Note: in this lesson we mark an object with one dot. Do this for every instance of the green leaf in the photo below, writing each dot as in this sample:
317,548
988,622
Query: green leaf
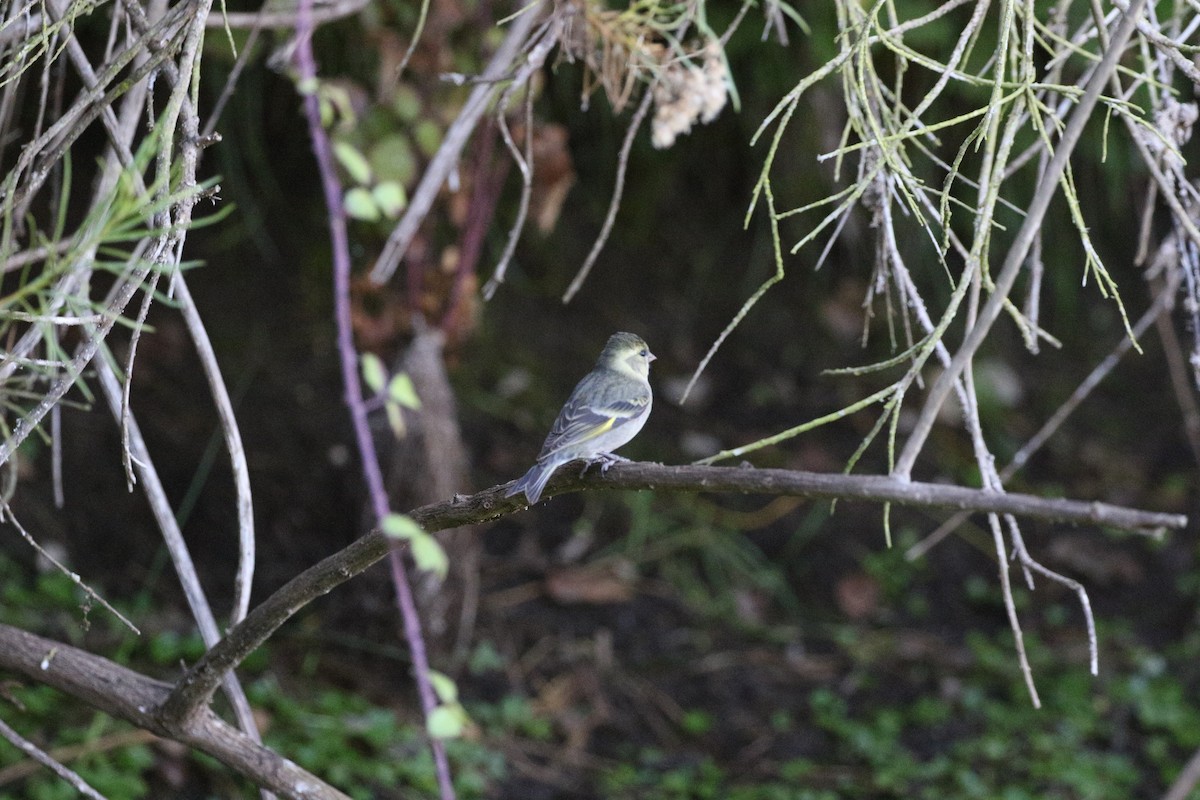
429,555
446,722
406,103
429,137
402,526
395,417
354,162
443,686
401,389
374,372
360,204
390,197
307,86
393,158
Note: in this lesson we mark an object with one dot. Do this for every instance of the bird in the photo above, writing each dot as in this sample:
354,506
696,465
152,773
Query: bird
606,409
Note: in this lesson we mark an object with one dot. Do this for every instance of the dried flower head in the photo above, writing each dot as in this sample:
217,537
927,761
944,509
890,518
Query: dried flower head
685,92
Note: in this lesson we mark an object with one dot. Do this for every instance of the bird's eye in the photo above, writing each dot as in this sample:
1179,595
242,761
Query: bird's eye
643,352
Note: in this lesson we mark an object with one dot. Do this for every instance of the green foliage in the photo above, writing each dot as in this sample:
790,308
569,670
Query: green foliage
364,749
705,561
514,715
115,773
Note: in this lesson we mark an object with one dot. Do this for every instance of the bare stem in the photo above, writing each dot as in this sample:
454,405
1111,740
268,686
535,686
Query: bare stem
348,357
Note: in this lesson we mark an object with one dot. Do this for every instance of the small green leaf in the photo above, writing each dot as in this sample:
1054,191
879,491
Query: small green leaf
395,417
354,162
306,86
393,159
390,198
402,526
339,98
429,555
406,103
374,372
429,137
360,204
443,686
446,722
401,389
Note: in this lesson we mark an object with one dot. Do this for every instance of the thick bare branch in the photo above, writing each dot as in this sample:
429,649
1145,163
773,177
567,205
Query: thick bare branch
133,697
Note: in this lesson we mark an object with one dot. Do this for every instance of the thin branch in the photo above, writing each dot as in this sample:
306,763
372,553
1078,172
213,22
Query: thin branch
275,18
1028,563
446,158
1010,608
193,691
613,205
1187,780
524,162
119,740
348,357
233,445
46,760
1163,303
7,512
185,568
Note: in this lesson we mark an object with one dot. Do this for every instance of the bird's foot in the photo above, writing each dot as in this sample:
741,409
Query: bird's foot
606,460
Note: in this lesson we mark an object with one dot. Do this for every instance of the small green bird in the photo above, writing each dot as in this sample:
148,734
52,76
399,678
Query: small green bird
607,409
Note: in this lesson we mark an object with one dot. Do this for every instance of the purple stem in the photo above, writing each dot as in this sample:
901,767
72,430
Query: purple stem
307,67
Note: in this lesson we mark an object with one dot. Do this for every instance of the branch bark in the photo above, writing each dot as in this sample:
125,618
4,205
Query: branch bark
193,691
181,712
133,697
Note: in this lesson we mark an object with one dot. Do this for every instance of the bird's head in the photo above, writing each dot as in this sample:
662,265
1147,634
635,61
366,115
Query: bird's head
627,353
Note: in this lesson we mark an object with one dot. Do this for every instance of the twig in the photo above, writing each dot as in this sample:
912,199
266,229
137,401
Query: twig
524,162
456,137
1181,385
7,512
185,569
83,356
1186,780
107,743
613,205
1162,304
1029,563
42,757
279,19
1010,608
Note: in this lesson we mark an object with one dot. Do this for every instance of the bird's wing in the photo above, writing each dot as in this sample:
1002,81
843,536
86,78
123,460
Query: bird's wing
586,416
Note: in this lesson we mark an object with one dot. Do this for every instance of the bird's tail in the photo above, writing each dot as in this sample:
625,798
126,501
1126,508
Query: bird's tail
533,482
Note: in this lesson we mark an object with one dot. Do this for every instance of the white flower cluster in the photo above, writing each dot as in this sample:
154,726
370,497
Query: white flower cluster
685,92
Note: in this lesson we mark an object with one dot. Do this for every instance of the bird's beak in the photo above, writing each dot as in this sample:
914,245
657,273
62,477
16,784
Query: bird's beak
650,357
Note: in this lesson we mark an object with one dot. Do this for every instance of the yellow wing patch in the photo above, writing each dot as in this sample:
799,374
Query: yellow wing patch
599,429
